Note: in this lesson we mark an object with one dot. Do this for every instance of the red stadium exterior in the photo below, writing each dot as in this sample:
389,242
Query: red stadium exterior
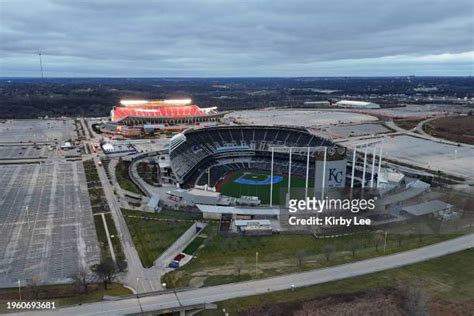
133,118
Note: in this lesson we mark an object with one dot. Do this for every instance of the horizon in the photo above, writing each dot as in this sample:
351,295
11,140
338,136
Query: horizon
247,77
208,39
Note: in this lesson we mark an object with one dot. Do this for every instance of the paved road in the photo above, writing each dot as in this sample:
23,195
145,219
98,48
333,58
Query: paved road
422,134
235,290
138,278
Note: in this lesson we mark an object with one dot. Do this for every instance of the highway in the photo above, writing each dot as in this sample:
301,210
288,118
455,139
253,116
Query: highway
213,294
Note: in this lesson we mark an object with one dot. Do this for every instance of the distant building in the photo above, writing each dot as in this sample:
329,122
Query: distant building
67,146
435,207
136,117
192,197
153,204
248,200
216,212
258,227
357,104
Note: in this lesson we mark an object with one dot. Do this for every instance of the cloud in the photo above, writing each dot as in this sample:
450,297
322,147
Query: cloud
236,38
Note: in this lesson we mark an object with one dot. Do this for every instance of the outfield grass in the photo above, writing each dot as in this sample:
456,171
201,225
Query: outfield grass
450,277
231,188
278,254
153,237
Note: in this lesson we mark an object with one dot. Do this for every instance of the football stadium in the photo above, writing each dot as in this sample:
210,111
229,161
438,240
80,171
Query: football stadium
139,117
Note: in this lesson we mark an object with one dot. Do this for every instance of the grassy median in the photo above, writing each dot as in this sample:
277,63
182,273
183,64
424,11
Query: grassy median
123,178
152,235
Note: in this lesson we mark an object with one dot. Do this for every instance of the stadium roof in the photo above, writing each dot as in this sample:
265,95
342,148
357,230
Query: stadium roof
238,210
427,208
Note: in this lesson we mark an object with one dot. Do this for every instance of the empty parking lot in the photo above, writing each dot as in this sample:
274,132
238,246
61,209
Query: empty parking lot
46,226
13,131
433,155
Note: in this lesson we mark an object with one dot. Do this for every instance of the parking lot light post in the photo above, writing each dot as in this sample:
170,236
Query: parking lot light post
19,288
256,263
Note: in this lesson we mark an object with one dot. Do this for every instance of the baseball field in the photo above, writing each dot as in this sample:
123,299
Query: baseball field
257,183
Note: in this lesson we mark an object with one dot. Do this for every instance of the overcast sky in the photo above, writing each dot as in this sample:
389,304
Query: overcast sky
177,38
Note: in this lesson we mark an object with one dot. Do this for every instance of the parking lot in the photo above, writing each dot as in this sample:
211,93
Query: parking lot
15,131
455,160
355,130
24,152
47,230
304,118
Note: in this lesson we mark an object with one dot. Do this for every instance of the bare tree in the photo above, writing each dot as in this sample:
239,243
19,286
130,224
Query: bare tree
328,250
106,270
121,265
355,245
416,300
420,232
399,237
238,266
377,241
83,278
300,256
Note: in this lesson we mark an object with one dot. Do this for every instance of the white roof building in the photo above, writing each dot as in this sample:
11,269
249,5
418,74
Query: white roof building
357,104
215,211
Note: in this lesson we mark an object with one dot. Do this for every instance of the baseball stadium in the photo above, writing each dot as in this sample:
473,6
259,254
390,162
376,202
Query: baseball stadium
258,161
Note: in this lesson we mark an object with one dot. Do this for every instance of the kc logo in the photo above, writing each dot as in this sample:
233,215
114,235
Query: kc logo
335,175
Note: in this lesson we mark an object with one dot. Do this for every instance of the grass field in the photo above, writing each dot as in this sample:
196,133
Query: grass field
407,124
454,128
63,295
230,188
123,179
116,244
194,245
450,278
152,235
102,237
278,254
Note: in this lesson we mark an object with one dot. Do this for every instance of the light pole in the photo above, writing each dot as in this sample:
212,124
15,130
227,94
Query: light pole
354,153
363,170
19,288
138,299
256,263
271,178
